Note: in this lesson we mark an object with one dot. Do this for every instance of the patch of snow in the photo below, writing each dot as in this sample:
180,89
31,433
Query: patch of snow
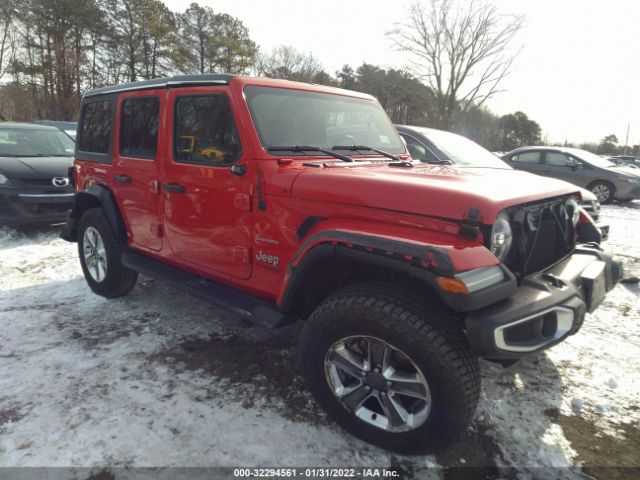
81,378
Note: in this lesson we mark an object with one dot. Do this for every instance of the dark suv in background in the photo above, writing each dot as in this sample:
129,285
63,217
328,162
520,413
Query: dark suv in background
604,178
67,127
34,183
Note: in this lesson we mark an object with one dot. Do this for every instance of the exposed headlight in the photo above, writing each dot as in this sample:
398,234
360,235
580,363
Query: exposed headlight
573,209
4,180
501,237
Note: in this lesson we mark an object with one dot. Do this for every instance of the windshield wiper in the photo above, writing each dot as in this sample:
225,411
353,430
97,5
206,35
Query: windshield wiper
305,148
354,148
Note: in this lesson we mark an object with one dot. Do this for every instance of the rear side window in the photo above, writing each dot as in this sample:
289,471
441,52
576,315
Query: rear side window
526,157
95,129
205,131
139,127
557,159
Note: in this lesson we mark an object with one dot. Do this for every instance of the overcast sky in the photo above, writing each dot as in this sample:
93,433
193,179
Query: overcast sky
578,73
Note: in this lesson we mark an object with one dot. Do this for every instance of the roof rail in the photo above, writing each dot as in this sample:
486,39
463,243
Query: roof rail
177,80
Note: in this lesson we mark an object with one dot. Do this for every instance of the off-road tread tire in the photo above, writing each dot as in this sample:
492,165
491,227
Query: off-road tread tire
420,327
119,280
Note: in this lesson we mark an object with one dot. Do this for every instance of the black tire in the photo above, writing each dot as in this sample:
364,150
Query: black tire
118,280
599,188
423,331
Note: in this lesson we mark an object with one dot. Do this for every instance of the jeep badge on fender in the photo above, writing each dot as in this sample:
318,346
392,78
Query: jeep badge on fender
270,259
400,288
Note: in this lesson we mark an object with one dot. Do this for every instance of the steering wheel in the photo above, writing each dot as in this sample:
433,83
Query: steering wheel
346,140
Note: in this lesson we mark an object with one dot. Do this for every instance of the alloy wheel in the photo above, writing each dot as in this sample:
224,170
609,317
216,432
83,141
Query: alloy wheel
602,192
95,255
378,383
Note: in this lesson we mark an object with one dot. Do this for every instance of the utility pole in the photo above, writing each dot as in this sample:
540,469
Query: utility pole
626,142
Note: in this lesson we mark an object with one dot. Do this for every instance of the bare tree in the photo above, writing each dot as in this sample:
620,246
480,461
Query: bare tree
8,15
461,51
290,64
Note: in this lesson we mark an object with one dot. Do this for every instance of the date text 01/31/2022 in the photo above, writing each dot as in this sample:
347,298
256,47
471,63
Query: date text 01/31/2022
316,472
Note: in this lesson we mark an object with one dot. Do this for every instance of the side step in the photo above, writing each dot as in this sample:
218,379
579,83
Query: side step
223,296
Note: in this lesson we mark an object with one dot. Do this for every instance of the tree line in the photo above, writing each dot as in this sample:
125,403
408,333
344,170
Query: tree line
53,51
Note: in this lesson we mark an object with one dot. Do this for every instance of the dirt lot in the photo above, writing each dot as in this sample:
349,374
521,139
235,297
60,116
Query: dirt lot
159,378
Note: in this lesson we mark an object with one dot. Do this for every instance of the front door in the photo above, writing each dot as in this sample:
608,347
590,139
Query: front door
136,165
560,166
207,218
568,168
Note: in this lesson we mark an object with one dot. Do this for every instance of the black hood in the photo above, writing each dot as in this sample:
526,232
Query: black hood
32,168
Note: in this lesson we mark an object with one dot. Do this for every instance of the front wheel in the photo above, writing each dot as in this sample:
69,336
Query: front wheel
603,191
390,368
99,253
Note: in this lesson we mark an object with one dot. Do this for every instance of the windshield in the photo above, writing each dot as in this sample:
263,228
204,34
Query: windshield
591,158
34,142
286,117
462,151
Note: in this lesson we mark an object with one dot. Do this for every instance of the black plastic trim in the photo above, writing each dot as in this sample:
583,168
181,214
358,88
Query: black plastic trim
559,286
589,232
437,258
213,292
457,302
87,199
307,225
175,81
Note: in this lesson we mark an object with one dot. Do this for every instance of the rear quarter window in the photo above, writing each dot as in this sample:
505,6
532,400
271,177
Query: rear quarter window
526,157
96,130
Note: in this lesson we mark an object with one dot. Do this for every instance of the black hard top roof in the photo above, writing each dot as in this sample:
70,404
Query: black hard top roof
204,79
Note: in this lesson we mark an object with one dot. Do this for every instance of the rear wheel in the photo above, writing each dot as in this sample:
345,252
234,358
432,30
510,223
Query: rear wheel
99,253
390,368
603,191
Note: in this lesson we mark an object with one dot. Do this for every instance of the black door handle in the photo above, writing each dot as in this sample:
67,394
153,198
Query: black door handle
123,178
174,187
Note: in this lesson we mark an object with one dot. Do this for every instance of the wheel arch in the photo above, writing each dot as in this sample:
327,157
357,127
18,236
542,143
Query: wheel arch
96,196
331,260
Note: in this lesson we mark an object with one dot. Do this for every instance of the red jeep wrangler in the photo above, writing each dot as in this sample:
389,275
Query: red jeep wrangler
286,201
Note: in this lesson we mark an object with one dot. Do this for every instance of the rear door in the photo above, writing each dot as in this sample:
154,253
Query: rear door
528,161
136,165
207,208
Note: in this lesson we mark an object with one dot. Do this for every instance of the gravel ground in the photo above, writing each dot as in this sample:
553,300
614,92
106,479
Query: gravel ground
160,379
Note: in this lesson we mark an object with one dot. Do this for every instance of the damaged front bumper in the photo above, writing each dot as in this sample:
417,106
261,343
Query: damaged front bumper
546,307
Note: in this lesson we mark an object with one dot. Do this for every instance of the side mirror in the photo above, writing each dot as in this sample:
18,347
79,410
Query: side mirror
238,169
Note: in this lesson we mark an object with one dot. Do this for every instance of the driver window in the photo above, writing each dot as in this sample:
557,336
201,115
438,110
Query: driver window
418,151
205,131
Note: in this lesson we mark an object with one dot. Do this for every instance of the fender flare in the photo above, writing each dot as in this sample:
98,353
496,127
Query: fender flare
422,261
94,196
